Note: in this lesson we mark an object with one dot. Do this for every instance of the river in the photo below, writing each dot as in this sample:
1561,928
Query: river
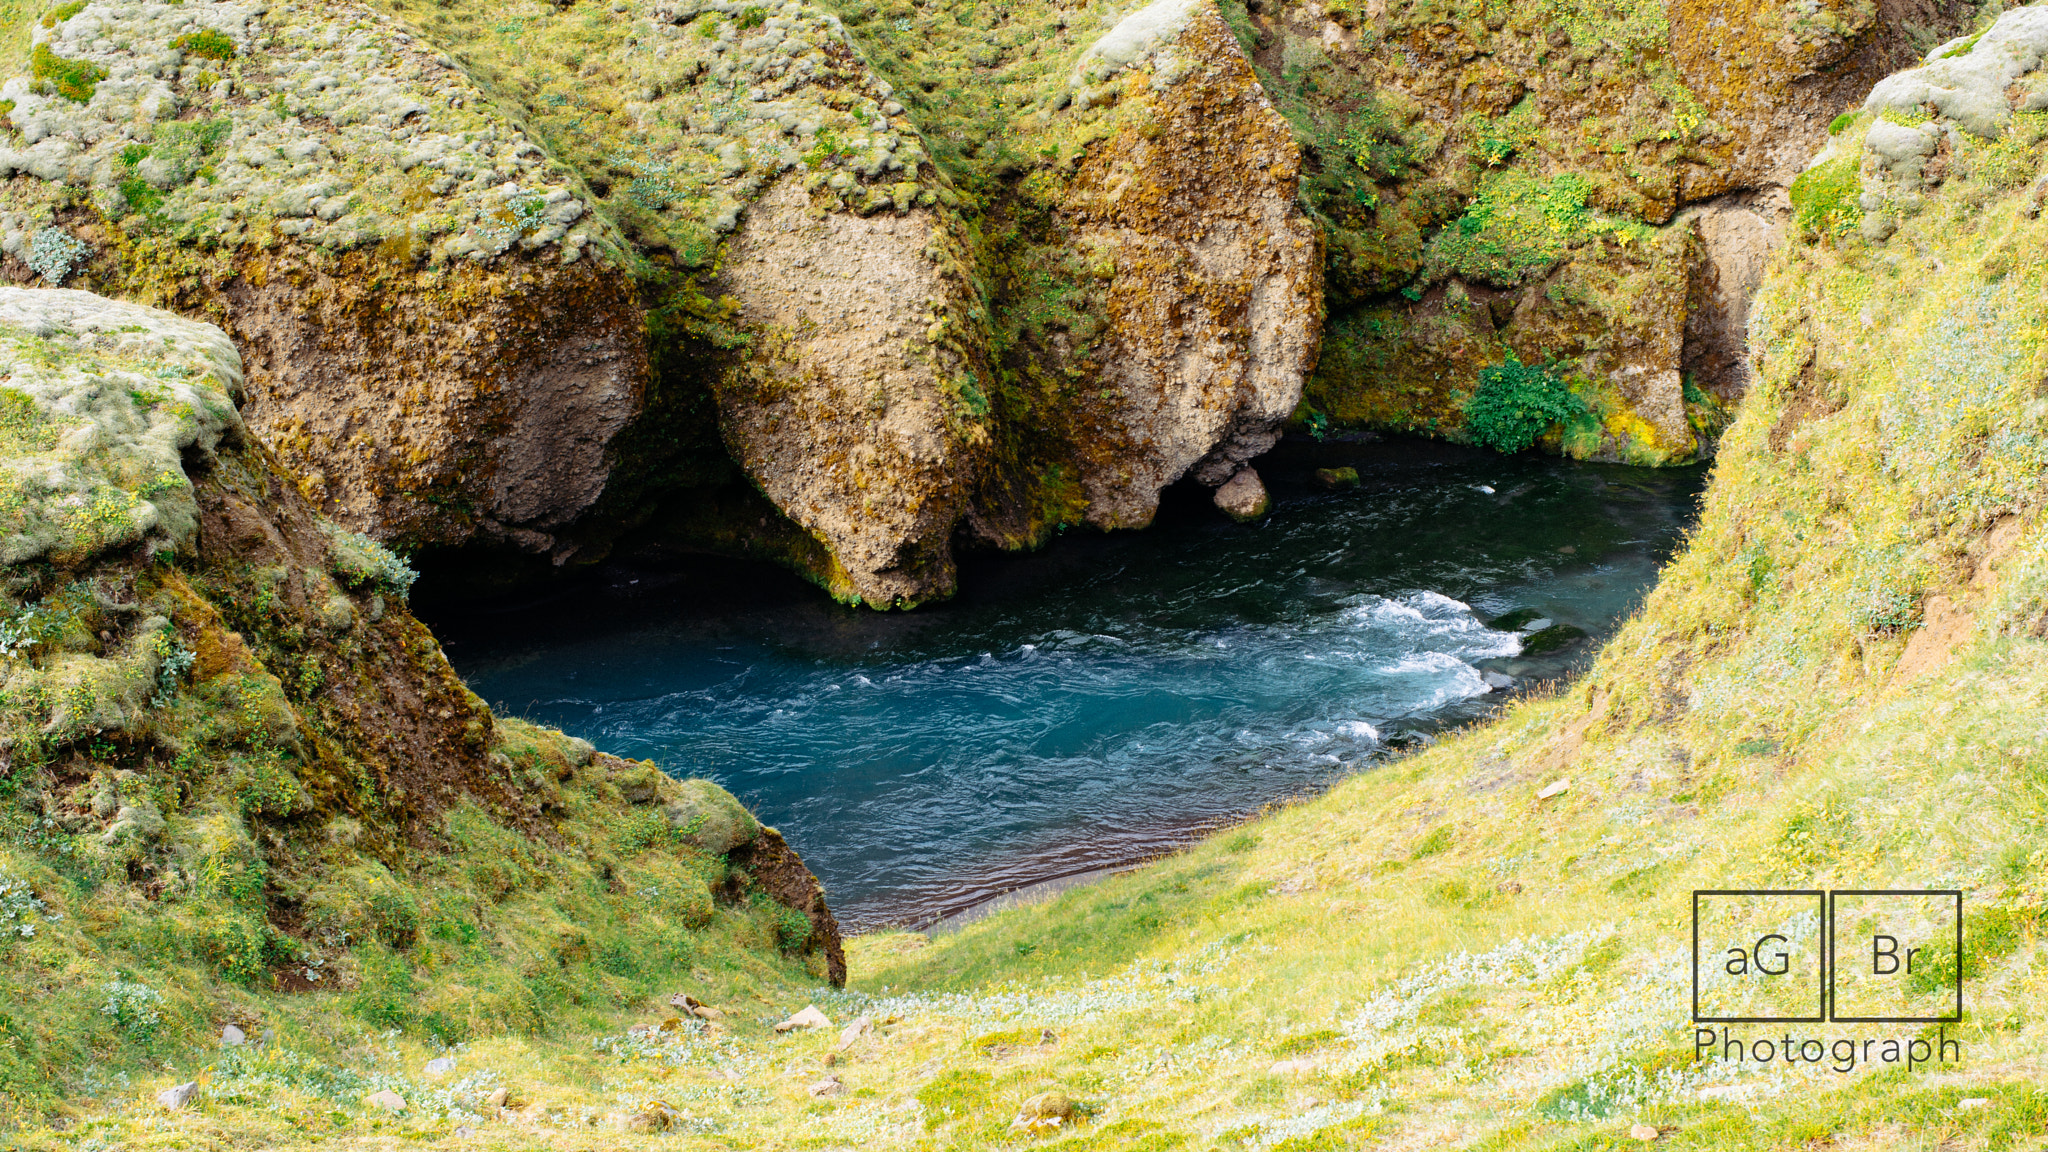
1105,698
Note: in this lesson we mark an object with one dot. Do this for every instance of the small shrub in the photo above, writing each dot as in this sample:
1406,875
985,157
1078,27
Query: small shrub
1885,610
1516,403
1841,122
54,253
174,660
22,631
206,43
792,929
134,1008
20,910
361,562
74,80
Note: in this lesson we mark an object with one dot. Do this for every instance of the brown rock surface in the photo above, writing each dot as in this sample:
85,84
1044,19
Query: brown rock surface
438,405
1214,308
849,411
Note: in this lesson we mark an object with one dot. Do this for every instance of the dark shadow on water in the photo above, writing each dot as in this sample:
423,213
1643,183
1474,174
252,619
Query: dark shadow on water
1103,699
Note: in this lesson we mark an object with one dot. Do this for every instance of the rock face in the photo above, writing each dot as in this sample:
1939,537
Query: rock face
430,349
533,279
1591,190
434,407
842,412
481,300
1214,302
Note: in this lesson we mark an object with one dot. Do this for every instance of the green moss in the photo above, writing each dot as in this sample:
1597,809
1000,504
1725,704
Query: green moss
63,12
72,79
1963,49
207,44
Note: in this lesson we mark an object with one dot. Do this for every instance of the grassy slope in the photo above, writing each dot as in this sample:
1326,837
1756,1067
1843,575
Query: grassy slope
240,784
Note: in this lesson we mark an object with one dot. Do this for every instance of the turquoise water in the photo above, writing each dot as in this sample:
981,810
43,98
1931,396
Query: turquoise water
1106,698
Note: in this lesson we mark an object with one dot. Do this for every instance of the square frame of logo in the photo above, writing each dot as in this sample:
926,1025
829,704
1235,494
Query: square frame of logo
1835,1016
1825,975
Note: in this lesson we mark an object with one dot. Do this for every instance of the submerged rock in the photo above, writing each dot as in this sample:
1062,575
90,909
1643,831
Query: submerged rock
1553,638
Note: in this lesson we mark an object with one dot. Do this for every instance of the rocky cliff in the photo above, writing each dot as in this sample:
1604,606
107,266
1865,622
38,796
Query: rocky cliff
231,761
530,279
844,285
1591,189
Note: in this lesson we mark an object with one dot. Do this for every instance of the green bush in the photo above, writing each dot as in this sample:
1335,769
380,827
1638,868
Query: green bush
1516,403
134,1008
1824,198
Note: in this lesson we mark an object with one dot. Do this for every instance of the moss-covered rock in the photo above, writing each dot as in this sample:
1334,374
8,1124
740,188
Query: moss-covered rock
1588,186
232,763
443,340
498,270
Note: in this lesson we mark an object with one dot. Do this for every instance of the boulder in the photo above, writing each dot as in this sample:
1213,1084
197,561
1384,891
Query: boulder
1047,1110
708,816
860,1026
1243,497
178,1096
386,1100
807,1018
